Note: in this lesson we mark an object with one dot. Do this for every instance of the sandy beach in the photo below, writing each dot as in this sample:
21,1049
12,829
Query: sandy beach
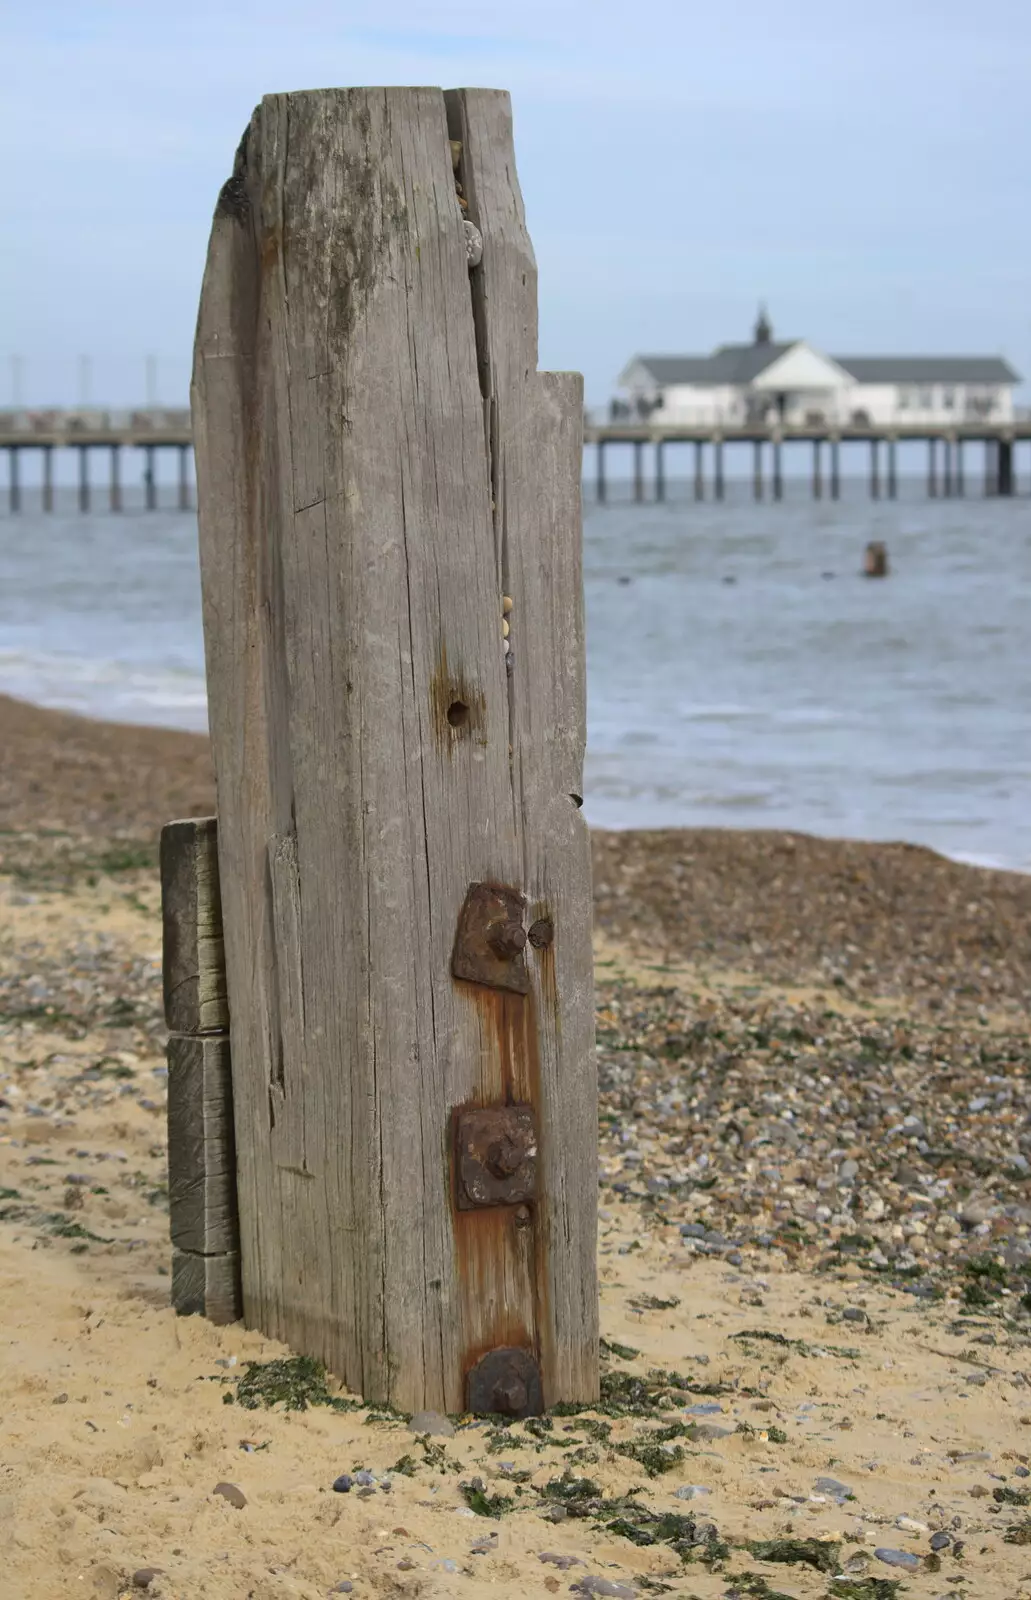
814,1245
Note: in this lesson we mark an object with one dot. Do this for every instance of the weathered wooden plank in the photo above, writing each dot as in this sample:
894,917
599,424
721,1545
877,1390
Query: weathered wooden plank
536,426
206,1286
194,958
201,1156
361,717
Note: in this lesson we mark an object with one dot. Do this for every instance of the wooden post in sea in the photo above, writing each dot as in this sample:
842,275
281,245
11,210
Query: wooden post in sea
390,529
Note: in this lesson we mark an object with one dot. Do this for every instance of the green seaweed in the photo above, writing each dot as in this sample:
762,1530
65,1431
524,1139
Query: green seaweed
295,1382
865,1589
823,1554
484,1504
625,1352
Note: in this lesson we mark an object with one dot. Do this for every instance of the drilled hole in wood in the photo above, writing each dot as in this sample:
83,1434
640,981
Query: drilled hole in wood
458,714
577,800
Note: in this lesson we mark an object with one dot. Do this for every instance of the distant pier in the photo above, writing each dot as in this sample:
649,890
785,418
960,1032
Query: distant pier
85,431
948,454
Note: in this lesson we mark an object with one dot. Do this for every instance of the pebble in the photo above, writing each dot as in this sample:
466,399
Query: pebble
897,1558
484,1546
473,243
232,1493
940,1541
592,1585
345,1586
431,1422
447,1565
832,1486
709,1409
910,1525
549,1557
710,1430
690,1491
365,1478
143,1577
342,1485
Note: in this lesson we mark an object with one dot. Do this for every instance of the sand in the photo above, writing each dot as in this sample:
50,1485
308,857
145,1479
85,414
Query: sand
788,1303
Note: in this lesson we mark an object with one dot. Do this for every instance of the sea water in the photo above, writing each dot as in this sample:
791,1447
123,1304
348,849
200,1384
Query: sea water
741,671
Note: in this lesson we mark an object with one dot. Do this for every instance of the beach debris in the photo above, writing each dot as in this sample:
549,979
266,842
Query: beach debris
231,1492
342,1485
433,1423
875,560
897,1558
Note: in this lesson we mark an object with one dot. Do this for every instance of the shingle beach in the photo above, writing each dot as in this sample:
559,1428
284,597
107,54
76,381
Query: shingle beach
815,1245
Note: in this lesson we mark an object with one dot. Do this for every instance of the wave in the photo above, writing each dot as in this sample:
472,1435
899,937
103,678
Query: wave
116,691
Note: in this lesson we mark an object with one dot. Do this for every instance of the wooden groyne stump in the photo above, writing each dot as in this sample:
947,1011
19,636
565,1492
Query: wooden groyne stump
390,528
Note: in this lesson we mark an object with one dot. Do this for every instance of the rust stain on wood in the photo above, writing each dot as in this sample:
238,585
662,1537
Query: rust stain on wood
500,1251
459,709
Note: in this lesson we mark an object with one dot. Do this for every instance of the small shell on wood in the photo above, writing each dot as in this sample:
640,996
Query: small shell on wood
504,628
506,604
473,243
456,153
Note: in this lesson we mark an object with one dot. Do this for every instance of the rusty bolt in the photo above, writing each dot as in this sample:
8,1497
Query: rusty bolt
506,939
542,932
504,1157
510,1396
522,1216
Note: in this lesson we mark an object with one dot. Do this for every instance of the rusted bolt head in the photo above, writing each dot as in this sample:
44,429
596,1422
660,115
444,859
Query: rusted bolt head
507,939
542,932
510,1396
504,1157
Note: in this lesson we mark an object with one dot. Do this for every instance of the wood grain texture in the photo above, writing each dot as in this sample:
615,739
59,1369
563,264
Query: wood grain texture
201,1156
193,967
206,1286
352,574
536,440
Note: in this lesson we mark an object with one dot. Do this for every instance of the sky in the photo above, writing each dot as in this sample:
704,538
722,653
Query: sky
861,168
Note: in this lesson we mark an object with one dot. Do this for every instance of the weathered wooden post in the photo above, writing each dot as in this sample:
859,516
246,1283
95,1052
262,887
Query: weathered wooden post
390,527
201,1159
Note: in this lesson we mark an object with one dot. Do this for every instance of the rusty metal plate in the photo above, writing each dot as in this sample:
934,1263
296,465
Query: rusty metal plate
507,1382
490,940
495,1156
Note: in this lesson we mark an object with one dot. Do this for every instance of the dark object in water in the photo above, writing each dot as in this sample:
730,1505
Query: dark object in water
875,560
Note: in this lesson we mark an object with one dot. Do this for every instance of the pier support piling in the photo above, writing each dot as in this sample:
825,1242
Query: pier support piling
1004,485
835,469
599,468
960,486
893,478
149,478
875,469
778,477
660,471
817,470
83,477
947,468
184,480
638,470
718,468
757,469
116,479
699,470
14,480
932,469
48,477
